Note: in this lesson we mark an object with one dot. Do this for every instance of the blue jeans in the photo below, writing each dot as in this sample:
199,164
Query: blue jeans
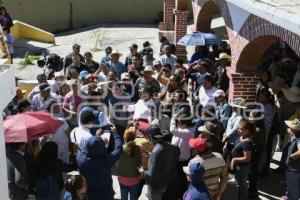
241,175
293,184
132,190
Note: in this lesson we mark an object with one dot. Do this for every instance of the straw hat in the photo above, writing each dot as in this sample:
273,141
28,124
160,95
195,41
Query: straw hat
277,85
292,94
238,103
115,51
293,124
224,56
208,128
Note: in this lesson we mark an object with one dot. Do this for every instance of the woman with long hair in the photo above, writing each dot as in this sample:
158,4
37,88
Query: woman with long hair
241,156
127,166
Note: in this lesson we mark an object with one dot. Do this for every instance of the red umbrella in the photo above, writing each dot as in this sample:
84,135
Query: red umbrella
29,126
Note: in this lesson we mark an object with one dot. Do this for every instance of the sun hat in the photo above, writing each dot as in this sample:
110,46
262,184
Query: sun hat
293,124
156,62
59,74
292,94
199,144
148,68
277,85
208,128
115,51
224,56
125,76
155,132
194,169
219,93
238,103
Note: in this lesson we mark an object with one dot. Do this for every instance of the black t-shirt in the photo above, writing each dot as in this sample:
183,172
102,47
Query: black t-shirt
240,147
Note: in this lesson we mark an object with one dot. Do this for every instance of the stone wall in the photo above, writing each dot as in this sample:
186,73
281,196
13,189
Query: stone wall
55,15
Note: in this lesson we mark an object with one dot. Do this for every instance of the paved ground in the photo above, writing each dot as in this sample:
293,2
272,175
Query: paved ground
120,37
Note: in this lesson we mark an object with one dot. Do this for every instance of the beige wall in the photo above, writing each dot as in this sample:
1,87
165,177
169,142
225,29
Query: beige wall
53,15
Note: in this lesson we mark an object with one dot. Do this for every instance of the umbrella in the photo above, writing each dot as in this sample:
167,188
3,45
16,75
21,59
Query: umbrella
199,39
29,126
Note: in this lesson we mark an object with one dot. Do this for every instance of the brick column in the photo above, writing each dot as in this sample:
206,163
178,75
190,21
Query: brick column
168,23
181,19
242,84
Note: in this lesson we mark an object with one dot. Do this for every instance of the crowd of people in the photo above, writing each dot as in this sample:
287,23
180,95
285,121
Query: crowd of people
157,122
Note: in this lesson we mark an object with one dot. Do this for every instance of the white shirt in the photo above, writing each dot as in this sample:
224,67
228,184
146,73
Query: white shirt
38,102
61,139
170,60
142,109
206,96
80,135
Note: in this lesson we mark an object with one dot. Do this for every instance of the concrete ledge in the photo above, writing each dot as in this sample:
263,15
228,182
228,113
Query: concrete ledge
26,31
280,15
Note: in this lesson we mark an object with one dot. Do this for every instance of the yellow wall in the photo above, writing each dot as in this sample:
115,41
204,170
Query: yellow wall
23,30
54,15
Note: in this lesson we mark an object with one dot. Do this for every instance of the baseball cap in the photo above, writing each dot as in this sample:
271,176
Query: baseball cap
198,144
76,46
194,169
148,50
83,74
108,49
219,93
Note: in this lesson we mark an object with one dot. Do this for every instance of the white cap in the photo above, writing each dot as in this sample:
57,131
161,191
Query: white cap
219,93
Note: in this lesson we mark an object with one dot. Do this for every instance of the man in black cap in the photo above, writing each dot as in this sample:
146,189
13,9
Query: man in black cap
133,50
68,59
162,164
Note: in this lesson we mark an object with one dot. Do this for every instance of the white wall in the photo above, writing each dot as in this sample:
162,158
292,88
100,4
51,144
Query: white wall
8,90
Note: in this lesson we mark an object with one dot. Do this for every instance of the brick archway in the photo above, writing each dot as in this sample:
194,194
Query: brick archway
253,52
204,10
255,37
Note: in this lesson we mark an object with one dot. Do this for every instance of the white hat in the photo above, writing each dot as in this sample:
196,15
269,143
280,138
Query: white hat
238,103
224,56
125,76
293,124
115,51
58,74
292,94
219,93
148,68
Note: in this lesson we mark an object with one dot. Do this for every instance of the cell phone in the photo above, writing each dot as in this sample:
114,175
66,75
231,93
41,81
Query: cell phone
105,137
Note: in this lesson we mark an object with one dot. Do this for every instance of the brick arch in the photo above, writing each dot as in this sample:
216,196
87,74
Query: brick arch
250,37
204,10
252,53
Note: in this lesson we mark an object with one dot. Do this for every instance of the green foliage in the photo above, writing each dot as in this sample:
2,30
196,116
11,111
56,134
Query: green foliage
28,60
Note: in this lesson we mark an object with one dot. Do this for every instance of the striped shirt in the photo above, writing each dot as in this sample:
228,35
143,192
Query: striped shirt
214,165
